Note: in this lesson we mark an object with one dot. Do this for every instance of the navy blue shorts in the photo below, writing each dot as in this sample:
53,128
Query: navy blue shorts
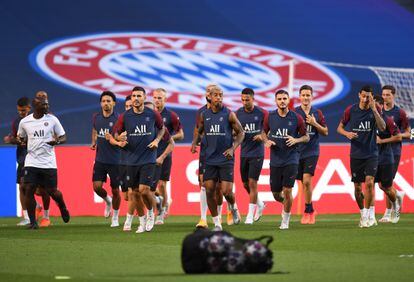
156,177
250,168
43,177
19,172
397,159
101,170
140,175
123,177
385,175
307,165
166,169
284,176
219,173
360,168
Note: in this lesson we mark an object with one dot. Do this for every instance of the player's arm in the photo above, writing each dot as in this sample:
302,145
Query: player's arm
319,125
168,150
378,118
405,125
198,131
259,137
238,138
111,139
344,121
161,131
396,135
94,137
11,138
21,136
304,136
265,133
179,135
58,140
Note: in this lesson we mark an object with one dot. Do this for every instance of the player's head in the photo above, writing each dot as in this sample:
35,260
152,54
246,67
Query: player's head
247,98
305,95
23,106
159,96
149,104
43,94
128,103
208,90
138,96
282,99
379,101
216,96
108,101
40,105
365,95
388,93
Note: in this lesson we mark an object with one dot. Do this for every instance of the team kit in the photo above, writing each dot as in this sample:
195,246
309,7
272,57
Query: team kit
134,152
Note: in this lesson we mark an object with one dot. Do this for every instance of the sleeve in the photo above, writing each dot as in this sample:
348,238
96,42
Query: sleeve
175,120
94,120
21,131
301,125
266,123
58,128
198,117
14,128
119,126
392,127
158,120
404,120
346,116
321,118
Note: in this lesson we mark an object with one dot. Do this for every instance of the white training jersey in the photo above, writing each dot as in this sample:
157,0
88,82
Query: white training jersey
38,133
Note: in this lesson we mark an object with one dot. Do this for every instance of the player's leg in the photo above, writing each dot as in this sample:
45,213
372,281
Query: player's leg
226,178
202,223
31,179
140,207
289,173
45,221
50,185
146,175
19,180
113,172
220,198
370,168
162,184
308,169
98,179
244,173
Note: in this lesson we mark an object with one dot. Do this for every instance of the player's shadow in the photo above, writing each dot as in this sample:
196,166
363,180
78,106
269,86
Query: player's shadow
210,274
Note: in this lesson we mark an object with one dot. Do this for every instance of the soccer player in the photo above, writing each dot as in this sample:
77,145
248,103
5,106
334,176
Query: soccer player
107,156
252,151
401,120
143,129
385,175
123,155
201,141
309,152
363,119
217,124
172,123
282,131
42,131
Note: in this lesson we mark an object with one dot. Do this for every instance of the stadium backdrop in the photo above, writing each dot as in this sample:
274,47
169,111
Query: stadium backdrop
335,47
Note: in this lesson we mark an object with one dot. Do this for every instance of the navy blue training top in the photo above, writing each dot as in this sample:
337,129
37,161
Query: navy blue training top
105,152
401,120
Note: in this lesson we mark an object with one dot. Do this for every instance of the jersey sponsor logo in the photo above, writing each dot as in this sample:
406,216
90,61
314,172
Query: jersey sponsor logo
364,126
182,64
280,133
102,132
214,130
140,130
39,133
250,128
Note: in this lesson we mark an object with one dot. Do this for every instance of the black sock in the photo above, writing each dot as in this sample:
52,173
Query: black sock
309,208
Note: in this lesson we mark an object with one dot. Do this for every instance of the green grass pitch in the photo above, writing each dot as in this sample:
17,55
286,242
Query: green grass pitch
87,249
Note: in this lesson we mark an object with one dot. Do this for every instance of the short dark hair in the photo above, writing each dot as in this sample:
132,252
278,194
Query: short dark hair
23,102
248,91
127,98
366,88
281,91
389,87
108,93
306,87
379,99
139,88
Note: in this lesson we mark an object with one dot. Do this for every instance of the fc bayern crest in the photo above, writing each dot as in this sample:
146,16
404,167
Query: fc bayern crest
183,65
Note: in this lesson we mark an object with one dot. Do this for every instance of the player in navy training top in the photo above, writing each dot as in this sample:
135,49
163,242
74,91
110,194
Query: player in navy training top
252,151
309,152
218,124
173,124
283,131
143,129
202,223
401,120
359,124
107,156
384,176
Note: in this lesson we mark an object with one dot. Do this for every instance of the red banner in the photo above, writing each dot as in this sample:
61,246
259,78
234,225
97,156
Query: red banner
333,190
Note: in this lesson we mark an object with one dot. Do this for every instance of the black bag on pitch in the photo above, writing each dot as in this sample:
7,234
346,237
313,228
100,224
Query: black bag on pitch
206,251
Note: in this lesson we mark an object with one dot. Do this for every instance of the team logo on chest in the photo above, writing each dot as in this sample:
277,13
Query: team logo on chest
364,126
183,65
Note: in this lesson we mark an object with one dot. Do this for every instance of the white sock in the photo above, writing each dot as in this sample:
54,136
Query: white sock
108,199
250,213
219,209
129,218
25,214
216,220
142,220
362,212
151,212
365,212
259,202
372,212
116,214
285,216
38,205
157,199
203,203
389,211
399,194
46,214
